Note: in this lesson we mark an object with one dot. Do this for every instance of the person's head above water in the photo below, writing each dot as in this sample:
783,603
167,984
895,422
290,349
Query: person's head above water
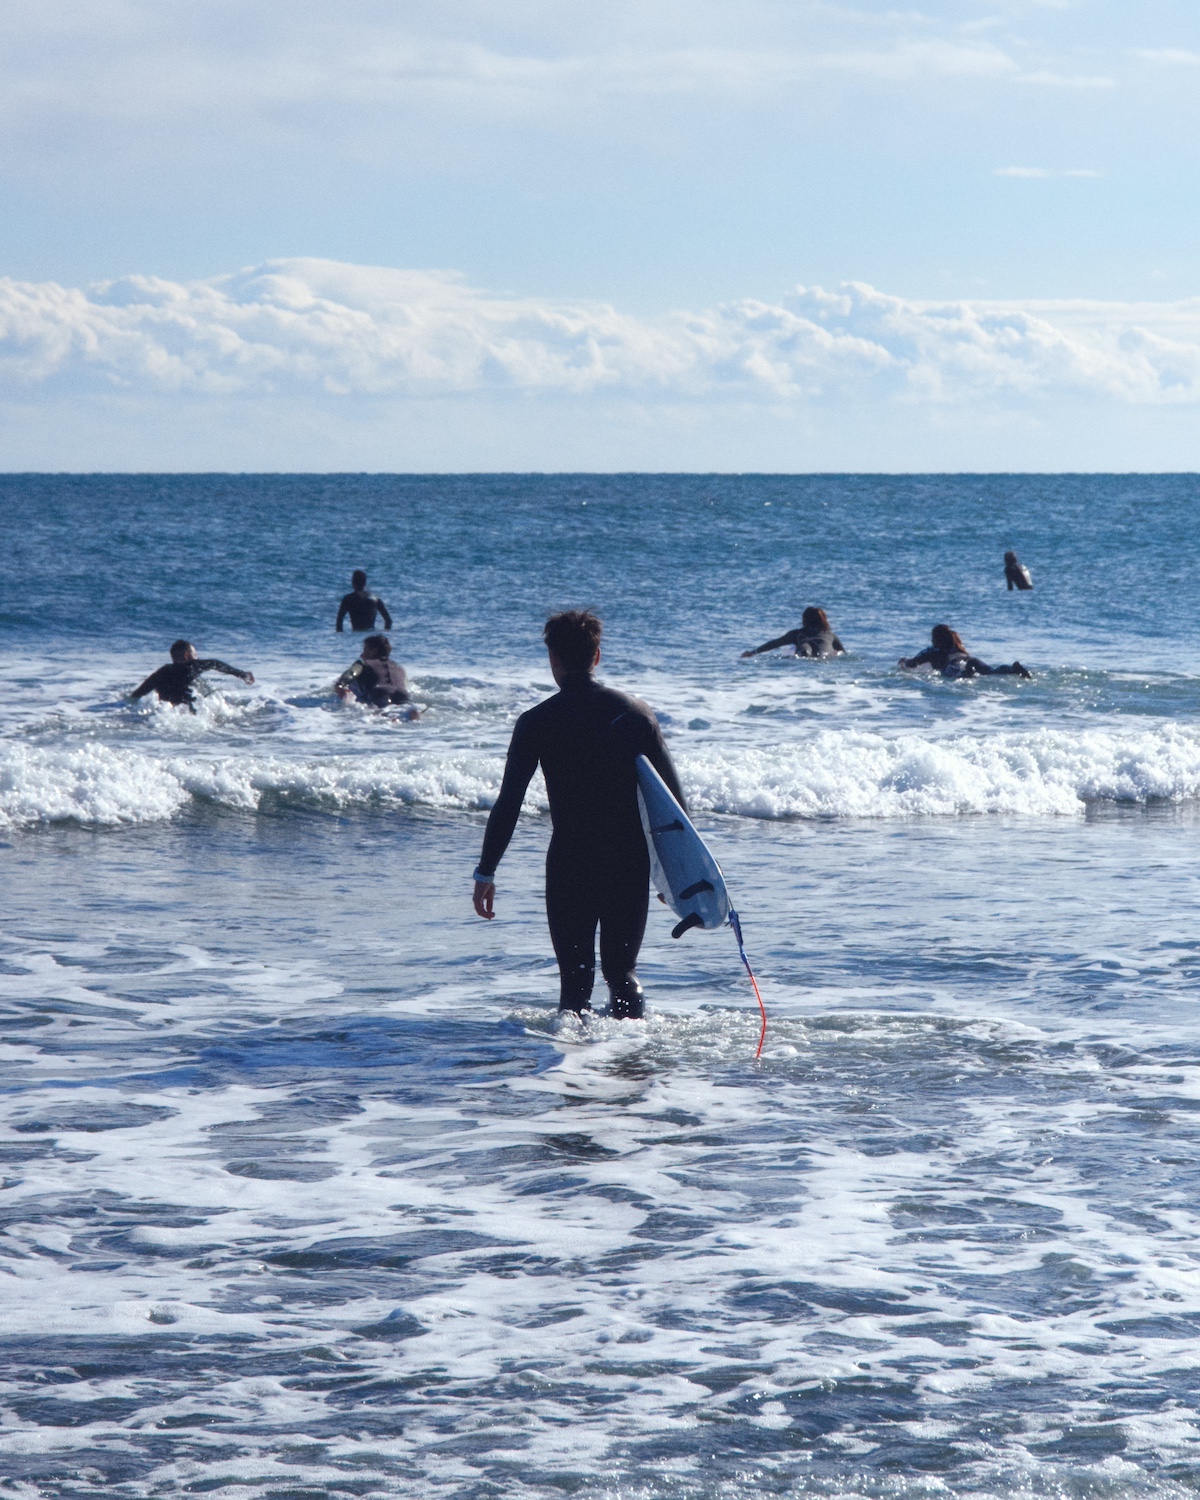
358,579
377,646
946,639
182,651
573,641
1010,557
814,618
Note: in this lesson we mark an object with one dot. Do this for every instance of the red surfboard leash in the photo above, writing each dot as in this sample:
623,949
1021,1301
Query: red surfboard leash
735,923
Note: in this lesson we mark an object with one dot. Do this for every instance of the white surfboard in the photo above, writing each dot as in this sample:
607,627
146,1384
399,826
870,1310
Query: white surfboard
681,866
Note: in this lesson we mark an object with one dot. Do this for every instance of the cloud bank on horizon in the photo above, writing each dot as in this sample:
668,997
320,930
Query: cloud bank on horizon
342,332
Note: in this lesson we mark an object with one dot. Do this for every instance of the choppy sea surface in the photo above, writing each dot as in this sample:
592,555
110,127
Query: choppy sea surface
305,1190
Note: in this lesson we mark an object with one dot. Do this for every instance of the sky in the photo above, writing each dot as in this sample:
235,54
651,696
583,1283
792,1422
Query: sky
780,235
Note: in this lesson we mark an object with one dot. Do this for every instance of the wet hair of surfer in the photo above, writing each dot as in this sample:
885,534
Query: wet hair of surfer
947,654
586,738
814,638
573,640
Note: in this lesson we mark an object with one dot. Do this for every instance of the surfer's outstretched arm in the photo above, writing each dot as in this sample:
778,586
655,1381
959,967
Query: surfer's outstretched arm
211,664
792,638
148,686
522,762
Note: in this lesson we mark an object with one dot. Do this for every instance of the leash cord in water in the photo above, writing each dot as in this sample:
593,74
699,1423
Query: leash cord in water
737,932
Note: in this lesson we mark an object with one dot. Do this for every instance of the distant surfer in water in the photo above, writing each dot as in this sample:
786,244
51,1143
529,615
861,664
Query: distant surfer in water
814,638
361,606
950,657
586,739
1016,574
174,682
375,678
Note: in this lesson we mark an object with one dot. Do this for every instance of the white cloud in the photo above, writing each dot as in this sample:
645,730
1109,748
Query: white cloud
1169,57
349,334
1043,172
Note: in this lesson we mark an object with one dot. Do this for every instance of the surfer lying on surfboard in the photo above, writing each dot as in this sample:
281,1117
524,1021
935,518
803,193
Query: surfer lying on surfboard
813,638
375,678
586,739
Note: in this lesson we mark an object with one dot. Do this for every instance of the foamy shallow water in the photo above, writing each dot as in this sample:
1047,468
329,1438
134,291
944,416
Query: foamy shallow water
306,1190
299,1203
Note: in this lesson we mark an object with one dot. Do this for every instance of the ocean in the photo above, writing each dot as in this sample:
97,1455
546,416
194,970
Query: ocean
308,1192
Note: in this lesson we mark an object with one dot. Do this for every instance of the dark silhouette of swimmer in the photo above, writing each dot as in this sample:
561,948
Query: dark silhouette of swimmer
361,606
814,638
374,678
951,658
1016,574
173,683
586,740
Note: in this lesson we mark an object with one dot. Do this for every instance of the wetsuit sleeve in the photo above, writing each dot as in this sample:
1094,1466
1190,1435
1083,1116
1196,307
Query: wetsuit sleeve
211,664
923,659
792,638
149,686
349,675
522,762
659,756
383,610
342,609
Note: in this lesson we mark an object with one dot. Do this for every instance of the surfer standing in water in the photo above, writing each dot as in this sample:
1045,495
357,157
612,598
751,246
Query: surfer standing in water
173,683
375,678
586,740
814,638
1016,574
950,657
361,606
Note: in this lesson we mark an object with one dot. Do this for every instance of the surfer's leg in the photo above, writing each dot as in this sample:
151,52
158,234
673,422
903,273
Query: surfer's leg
572,912
622,927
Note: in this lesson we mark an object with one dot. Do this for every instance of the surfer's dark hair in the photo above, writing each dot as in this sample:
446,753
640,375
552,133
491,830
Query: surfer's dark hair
358,578
574,638
179,649
814,618
380,643
946,639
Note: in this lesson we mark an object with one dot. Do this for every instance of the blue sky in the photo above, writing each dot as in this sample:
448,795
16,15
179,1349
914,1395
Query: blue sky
640,162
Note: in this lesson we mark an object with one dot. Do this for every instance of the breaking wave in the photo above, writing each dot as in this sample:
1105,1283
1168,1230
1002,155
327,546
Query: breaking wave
836,773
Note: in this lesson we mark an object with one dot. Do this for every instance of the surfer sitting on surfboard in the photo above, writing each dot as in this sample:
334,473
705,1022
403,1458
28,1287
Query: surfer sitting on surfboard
1016,574
586,739
813,638
950,657
374,678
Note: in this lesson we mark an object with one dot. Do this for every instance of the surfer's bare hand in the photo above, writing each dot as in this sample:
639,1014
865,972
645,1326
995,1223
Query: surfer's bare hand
485,898
747,653
248,677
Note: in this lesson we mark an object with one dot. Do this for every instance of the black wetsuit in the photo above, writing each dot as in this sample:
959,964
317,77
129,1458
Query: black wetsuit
818,644
362,609
378,681
1016,574
962,664
586,739
173,683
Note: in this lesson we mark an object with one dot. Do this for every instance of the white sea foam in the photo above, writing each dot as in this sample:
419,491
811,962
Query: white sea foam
833,773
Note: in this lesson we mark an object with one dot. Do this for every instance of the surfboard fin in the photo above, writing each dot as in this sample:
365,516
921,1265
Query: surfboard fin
693,919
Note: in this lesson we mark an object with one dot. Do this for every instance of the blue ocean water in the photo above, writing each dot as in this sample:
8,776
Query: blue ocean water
306,1191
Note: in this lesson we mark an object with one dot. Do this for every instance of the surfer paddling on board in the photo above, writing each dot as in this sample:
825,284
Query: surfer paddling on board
173,683
586,740
375,678
361,606
950,657
813,638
